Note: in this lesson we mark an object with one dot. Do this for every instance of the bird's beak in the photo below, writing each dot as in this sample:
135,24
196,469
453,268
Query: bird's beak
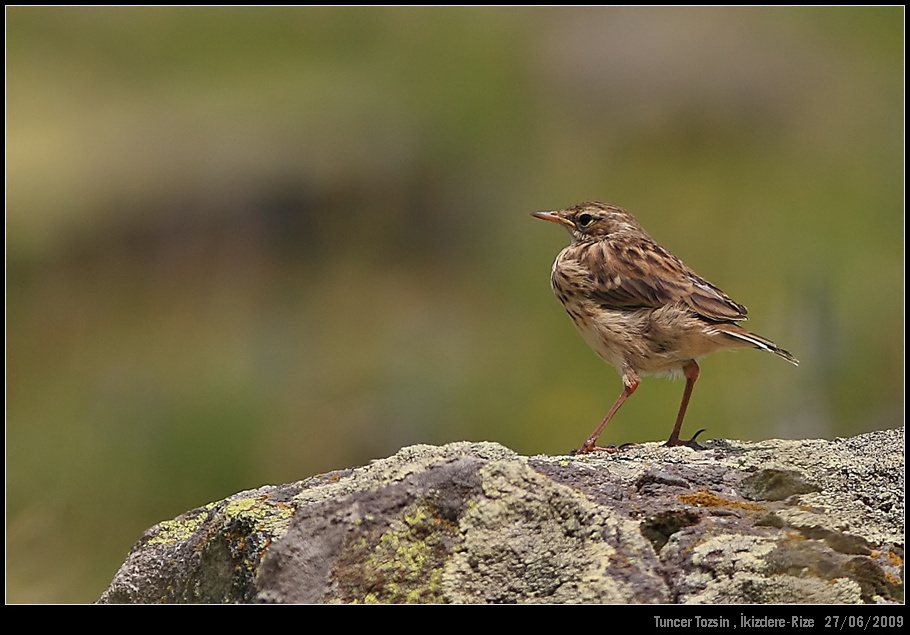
554,217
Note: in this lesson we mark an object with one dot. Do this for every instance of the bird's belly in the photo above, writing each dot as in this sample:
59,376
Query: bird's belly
649,341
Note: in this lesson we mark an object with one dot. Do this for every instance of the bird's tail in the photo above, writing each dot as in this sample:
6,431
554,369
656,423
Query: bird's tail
758,342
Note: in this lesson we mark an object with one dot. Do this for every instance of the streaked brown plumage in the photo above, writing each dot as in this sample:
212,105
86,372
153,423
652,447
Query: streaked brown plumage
639,307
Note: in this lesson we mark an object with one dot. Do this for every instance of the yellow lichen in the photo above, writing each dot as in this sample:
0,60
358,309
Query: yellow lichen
704,498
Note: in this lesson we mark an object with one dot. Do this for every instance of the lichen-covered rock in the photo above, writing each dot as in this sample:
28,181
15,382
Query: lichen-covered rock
776,521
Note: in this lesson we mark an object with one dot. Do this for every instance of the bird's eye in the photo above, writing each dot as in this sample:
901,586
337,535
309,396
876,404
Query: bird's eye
584,220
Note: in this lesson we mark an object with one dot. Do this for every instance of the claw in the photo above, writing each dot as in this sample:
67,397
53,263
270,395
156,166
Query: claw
692,443
610,449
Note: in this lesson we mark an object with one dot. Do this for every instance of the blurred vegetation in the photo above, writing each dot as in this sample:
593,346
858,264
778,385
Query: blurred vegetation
246,245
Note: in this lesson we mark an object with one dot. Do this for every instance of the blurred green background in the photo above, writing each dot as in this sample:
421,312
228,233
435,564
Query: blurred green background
246,246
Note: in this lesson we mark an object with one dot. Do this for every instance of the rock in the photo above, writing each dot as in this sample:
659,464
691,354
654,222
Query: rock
809,521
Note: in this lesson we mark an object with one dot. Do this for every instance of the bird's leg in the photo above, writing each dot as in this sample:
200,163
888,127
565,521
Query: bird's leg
630,383
690,370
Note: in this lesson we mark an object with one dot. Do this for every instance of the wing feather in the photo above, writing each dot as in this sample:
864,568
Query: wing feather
648,276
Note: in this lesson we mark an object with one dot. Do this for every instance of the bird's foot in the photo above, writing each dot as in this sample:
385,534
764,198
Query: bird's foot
675,441
609,449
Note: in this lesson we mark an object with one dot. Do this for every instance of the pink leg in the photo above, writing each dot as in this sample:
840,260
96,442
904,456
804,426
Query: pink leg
630,384
690,370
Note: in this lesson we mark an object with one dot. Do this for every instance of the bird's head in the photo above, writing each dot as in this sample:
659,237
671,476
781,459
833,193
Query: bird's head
593,220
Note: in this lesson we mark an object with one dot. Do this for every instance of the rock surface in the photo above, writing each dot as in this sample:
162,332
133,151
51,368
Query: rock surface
808,521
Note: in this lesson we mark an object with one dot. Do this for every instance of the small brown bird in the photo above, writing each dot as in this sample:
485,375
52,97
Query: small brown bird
639,307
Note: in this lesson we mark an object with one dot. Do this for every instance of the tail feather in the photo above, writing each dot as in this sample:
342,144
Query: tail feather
761,343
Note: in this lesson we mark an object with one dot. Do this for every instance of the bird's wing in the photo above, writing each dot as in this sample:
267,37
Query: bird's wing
648,276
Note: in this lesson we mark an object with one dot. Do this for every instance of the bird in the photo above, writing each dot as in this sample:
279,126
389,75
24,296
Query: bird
640,308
